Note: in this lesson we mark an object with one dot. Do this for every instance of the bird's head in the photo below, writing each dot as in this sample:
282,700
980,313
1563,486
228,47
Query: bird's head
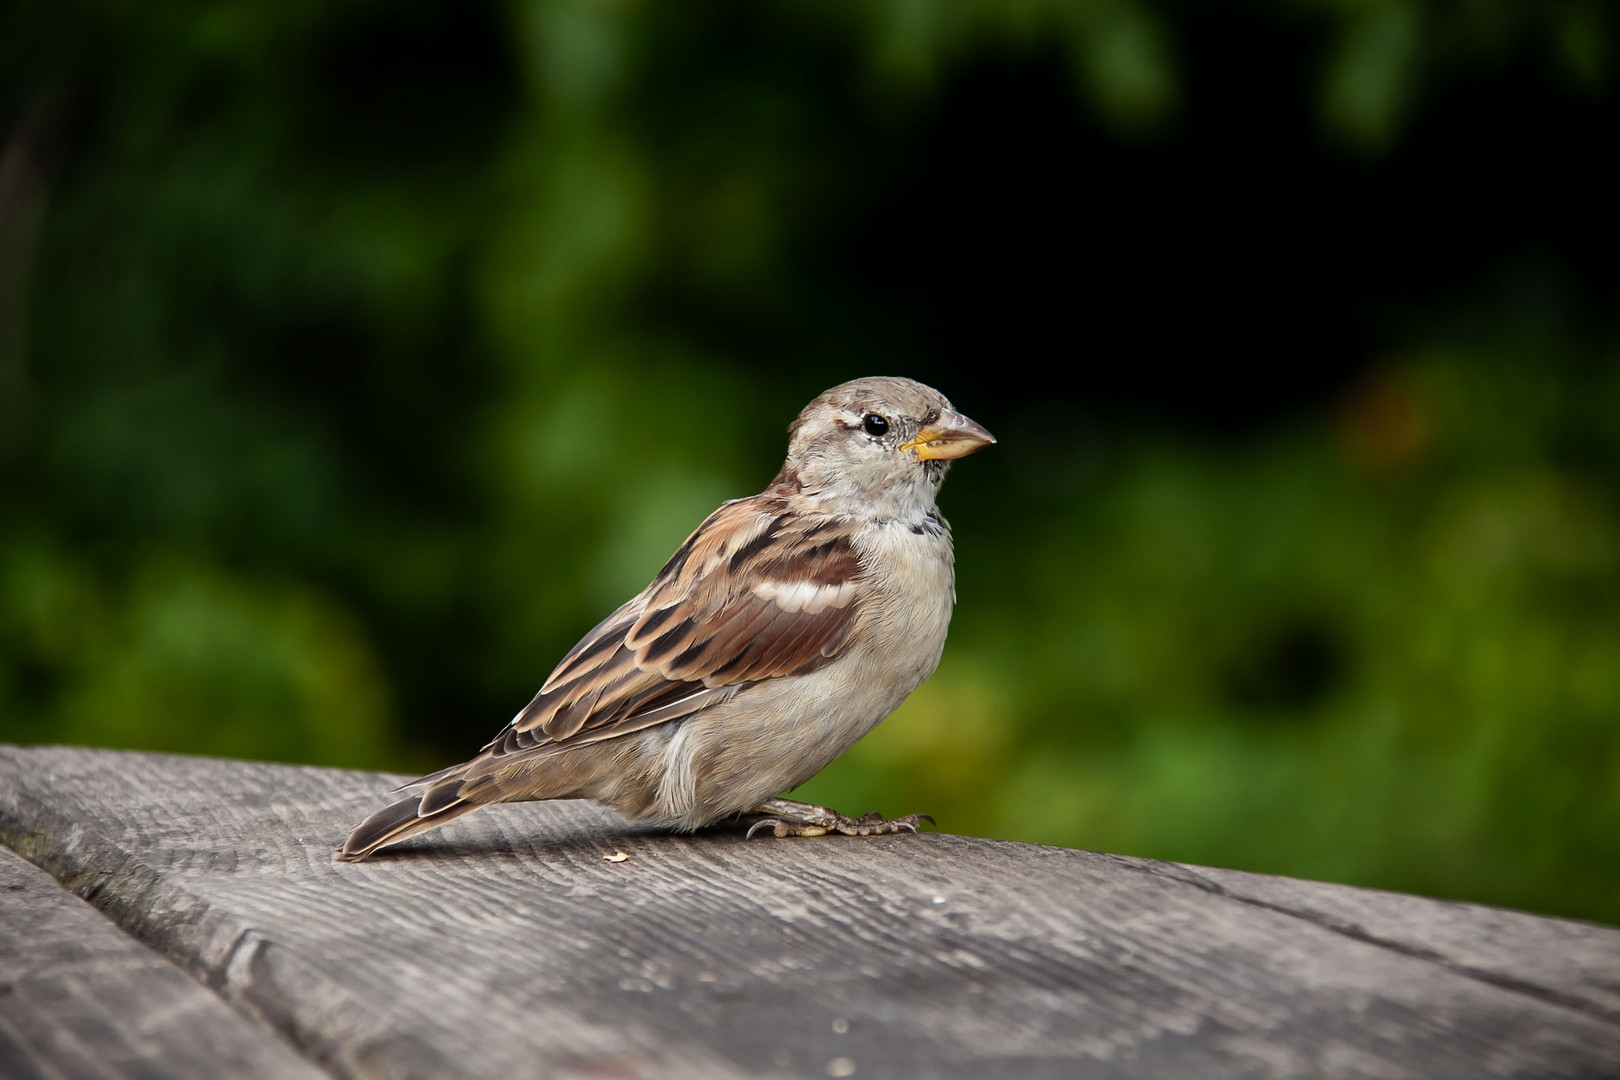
876,448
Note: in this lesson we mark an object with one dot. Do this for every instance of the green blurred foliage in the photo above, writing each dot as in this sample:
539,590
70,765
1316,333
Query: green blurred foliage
356,358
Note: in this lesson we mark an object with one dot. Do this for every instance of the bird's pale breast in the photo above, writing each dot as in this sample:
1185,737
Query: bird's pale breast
778,733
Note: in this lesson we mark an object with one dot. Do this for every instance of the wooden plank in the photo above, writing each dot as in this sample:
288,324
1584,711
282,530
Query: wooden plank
80,998
506,945
1563,960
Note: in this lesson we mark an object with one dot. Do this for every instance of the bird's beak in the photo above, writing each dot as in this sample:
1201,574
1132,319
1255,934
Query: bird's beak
951,436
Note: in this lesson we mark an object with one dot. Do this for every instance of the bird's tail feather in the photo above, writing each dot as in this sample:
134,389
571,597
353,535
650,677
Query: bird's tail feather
432,778
409,816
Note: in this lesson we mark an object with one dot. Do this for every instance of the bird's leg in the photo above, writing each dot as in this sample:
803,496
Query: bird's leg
787,817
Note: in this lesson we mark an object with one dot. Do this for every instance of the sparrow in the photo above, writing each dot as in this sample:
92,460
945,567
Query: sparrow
786,627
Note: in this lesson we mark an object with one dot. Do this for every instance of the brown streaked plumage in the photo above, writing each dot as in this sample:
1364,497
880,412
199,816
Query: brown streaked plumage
788,625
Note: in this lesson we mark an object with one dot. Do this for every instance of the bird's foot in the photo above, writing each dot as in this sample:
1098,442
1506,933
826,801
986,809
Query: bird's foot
786,817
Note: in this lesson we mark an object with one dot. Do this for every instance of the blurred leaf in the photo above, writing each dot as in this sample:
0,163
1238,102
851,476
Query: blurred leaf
1368,85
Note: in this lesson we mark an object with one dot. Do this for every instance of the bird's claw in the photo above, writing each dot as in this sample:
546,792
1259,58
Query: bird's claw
778,827
872,824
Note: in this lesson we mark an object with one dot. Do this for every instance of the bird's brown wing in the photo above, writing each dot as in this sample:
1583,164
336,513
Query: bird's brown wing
755,592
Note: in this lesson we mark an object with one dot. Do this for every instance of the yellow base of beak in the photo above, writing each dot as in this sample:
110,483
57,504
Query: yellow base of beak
952,436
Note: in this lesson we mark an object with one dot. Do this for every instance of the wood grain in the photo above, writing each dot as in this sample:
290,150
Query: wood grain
505,944
1560,959
80,998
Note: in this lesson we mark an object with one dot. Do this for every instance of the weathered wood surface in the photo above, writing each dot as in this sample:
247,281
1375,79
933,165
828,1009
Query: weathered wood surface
506,945
80,998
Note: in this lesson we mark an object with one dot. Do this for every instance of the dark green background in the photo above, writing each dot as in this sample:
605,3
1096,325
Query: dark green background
356,357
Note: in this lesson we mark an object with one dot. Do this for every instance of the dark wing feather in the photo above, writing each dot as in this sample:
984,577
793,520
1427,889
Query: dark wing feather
756,592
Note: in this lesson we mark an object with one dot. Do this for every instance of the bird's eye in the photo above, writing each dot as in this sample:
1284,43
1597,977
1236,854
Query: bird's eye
875,424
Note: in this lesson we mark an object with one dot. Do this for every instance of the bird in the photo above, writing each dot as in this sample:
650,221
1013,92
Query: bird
786,627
